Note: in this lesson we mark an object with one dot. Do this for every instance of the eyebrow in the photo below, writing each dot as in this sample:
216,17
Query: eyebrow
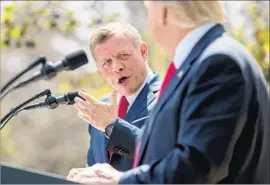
114,55
120,52
101,61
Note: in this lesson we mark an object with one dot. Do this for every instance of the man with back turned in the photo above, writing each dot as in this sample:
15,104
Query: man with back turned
211,122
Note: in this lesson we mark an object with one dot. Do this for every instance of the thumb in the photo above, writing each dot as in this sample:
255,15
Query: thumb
114,98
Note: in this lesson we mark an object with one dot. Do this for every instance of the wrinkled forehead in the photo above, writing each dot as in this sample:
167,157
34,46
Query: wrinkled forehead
116,43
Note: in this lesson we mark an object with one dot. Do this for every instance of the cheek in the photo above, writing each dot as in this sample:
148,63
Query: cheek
107,76
138,71
152,21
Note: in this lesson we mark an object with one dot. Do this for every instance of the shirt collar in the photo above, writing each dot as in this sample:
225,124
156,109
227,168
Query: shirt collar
132,98
190,40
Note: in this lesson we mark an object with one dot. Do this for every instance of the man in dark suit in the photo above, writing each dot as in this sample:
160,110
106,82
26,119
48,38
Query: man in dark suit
121,139
211,122
121,58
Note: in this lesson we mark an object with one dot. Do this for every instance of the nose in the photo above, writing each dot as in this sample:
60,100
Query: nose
118,66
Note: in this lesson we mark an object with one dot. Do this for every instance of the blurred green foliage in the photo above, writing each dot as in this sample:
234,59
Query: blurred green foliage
12,148
50,15
257,19
20,21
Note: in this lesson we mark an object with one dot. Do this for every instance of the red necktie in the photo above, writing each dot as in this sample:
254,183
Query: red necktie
123,107
169,74
122,111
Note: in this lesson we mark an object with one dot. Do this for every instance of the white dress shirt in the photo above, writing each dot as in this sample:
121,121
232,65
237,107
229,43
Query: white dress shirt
190,40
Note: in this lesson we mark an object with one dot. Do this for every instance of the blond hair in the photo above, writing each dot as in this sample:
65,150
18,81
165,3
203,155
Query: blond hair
191,13
104,32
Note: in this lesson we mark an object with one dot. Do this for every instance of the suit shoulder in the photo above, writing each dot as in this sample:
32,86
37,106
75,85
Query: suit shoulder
230,47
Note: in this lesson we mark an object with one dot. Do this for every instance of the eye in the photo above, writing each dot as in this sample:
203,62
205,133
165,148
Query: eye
107,62
124,55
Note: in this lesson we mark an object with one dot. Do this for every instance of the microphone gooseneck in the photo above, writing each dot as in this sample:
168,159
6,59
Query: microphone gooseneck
51,102
48,70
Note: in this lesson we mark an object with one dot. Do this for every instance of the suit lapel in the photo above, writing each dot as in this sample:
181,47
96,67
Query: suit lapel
104,152
208,38
145,97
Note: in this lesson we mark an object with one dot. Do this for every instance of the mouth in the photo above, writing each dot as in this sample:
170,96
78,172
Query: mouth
122,80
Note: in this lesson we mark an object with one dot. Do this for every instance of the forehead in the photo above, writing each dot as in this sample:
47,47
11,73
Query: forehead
114,44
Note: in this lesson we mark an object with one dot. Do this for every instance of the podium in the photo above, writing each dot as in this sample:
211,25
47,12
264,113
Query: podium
11,174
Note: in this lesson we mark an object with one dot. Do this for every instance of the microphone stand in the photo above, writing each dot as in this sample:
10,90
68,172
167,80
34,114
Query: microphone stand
46,70
17,109
70,62
40,60
18,86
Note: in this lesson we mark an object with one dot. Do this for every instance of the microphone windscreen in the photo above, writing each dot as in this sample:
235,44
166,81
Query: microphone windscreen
70,96
75,60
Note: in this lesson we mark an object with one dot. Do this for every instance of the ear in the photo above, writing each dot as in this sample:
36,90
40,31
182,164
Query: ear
144,50
164,15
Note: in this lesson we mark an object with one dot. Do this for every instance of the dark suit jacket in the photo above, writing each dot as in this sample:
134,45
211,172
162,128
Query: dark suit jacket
211,124
123,138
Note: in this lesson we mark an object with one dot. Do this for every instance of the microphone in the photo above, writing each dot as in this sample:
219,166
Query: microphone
70,62
49,70
52,102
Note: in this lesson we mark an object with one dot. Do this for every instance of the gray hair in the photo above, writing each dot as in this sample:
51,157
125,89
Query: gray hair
105,32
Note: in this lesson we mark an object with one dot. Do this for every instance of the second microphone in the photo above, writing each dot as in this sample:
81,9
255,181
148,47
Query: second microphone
52,102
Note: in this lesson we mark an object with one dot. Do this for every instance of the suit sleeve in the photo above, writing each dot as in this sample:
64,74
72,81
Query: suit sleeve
123,137
208,132
90,155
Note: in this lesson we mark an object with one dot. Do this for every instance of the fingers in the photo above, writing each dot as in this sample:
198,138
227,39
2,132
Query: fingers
83,109
114,97
70,177
72,173
103,174
95,180
87,107
98,114
81,102
104,170
87,97
83,176
84,117
97,174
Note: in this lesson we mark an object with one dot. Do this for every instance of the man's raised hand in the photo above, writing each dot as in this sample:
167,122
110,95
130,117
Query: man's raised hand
95,112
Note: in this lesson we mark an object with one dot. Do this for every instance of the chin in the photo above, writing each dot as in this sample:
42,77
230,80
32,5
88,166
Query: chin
122,92
127,92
